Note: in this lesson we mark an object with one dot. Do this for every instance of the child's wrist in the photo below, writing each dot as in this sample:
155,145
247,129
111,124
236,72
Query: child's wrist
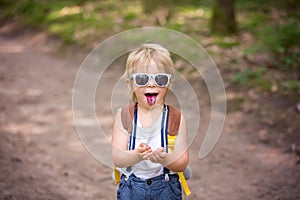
138,154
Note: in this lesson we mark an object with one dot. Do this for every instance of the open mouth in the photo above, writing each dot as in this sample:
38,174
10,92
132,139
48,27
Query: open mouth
151,98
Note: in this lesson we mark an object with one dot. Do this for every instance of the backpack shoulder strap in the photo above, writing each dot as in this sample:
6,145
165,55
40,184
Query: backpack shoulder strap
127,113
173,121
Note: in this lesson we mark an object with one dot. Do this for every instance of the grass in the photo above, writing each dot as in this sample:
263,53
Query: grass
226,42
254,78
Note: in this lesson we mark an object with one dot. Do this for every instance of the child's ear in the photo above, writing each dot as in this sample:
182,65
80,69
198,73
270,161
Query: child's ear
129,84
171,83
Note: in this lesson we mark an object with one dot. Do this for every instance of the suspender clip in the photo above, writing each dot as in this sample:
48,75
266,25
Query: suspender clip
167,178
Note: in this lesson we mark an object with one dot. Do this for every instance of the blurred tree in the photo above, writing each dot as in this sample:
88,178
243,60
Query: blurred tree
160,10
223,17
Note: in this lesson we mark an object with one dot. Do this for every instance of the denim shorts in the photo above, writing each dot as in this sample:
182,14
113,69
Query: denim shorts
156,188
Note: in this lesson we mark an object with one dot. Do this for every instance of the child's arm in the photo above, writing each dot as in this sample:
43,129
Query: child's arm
178,160
120,138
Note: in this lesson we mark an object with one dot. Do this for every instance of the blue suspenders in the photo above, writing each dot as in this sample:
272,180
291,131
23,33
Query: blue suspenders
164,134
133,133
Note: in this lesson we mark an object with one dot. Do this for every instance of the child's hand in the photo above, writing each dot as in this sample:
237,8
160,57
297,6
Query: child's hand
158,156
144,151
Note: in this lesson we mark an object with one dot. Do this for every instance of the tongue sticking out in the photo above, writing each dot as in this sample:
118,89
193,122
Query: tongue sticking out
151,99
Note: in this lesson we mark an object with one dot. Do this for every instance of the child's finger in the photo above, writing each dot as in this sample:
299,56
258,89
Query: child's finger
144,147
155,157
158,155
161,149
145,154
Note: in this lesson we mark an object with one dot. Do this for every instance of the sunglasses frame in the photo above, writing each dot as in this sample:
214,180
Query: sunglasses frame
133,76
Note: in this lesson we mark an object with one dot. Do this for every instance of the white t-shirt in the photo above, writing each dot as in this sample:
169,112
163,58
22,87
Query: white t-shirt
151,136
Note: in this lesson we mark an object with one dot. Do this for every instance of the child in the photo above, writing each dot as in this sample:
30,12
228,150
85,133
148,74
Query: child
148,168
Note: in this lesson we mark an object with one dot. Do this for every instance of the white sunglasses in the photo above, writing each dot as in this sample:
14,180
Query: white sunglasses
143,79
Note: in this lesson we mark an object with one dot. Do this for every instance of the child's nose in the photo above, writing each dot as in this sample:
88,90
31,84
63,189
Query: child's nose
151,83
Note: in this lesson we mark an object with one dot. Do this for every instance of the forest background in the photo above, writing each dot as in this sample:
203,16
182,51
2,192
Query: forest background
255,44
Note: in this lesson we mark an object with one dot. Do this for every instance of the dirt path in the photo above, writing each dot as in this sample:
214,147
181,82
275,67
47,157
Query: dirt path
41,156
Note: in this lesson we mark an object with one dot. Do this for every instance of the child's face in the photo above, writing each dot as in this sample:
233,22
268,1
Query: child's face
151,93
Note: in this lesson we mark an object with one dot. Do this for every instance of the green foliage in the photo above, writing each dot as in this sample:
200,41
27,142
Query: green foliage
278,38
276,29
292,84
152,5
59,17
252,77
253,20
282,42
227,42
266,6
81,21
244,76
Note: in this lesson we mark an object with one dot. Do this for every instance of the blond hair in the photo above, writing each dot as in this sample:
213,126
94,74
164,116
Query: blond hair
146,53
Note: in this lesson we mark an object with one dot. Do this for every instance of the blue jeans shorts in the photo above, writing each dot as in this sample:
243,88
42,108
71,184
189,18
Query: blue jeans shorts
156,188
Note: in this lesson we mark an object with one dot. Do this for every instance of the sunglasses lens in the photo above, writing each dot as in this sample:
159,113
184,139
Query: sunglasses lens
161,80
141,79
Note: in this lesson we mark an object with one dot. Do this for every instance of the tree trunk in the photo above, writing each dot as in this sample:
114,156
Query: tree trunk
223,17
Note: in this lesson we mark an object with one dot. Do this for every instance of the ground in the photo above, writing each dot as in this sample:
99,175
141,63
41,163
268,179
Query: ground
41,156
